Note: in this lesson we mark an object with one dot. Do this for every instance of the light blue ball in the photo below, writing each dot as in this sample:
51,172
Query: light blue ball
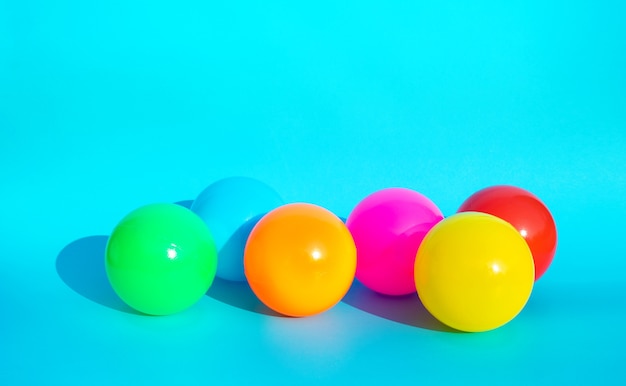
230,208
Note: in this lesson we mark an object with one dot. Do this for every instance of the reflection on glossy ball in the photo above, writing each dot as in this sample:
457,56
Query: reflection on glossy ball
526,213
230,208
474,272
388,227
300,259
161,259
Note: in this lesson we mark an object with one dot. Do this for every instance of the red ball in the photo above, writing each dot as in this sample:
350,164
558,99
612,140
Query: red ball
526,213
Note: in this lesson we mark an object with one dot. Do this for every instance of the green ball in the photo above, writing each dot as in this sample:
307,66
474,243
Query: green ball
161,259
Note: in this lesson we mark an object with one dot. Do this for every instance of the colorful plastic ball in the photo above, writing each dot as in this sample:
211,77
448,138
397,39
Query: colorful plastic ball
474,272
161,259
300,259
388,227
230,208
526,213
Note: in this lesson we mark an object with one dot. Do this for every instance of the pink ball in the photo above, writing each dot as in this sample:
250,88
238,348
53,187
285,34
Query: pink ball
388,227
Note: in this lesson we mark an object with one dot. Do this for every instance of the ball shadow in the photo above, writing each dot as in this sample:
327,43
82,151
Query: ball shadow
81,267
407,309
185,203
239,294
235,244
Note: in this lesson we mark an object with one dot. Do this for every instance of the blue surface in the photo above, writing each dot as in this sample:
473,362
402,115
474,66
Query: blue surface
107,106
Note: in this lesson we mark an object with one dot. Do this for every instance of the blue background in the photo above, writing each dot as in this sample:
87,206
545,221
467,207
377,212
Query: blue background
107,106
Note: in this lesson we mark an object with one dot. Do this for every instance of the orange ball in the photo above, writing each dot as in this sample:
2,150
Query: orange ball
300,259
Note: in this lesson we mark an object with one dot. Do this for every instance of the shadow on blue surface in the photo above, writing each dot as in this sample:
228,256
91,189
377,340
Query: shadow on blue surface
235,293
185,203
81,267
239,294
406,309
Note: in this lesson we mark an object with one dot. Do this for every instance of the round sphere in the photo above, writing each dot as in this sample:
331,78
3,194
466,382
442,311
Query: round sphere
388,227
230,208
526,213
160,259
300,259
474,272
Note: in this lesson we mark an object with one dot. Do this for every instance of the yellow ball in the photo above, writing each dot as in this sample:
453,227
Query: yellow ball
474,272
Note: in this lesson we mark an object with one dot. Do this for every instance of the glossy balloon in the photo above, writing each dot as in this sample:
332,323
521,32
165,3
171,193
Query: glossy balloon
388,227
161,259
474,272
300,259
230,208
526,213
